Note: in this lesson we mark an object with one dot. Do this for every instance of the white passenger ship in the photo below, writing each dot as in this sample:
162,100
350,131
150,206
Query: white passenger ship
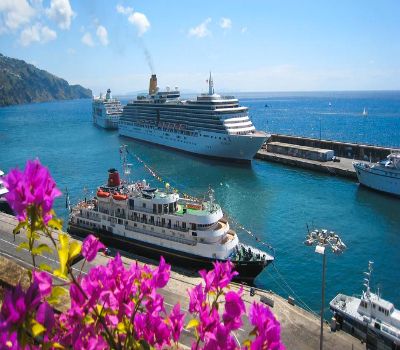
106,111
382,176
152,222
371,318
212,125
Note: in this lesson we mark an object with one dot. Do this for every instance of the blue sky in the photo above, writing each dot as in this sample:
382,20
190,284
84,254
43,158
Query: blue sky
248,45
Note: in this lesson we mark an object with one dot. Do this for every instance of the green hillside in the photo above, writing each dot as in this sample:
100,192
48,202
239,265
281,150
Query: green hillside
21,82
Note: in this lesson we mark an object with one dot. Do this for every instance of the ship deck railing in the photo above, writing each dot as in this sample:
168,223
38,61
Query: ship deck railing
162,236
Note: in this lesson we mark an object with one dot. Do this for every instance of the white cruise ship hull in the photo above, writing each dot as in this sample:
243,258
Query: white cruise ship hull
106,123
218,145
378,178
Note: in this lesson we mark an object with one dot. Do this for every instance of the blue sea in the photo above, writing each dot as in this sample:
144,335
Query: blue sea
273,201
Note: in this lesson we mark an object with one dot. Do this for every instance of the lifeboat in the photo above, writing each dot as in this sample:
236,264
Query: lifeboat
120,197
103,194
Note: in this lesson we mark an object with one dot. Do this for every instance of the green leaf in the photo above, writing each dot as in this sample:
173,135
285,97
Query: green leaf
55,223
192,323
20,225
45,267
56,293
37,328
41,248
74,250
23,245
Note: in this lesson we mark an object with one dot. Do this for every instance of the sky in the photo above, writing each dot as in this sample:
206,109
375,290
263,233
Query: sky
249,45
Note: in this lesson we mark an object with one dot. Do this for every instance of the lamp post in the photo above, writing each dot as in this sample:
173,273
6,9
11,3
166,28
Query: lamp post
322,239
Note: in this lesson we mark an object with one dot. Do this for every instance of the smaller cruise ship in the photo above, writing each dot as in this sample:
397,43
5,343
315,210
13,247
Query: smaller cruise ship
382,176
106,111
155,222
371,318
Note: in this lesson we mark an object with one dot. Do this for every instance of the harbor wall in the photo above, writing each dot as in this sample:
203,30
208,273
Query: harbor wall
341,149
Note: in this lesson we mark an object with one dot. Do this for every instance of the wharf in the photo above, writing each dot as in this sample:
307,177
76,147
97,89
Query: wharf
299,328
295,150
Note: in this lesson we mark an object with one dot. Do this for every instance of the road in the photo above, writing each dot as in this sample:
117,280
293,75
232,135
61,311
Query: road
299,328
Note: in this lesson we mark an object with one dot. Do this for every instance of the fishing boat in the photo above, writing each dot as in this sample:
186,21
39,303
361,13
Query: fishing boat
152,222
370,317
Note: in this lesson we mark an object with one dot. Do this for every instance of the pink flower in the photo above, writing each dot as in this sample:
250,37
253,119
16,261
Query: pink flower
45,316
91,245
44,282
234,309
33,187
197,298
267,328
161,274
176,318
219,277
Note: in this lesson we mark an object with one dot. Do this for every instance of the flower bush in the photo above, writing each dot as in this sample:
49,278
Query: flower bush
114,306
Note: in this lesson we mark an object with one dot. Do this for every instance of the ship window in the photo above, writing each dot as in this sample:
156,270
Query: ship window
154,208
144,205
131,204
119,221
183,224
160,208
194,234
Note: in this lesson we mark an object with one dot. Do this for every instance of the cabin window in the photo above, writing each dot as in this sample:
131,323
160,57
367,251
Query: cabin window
119,221
131,204
144,205
154,208
160,208
194,234
152,219
165,208
163,222
194,226
183,224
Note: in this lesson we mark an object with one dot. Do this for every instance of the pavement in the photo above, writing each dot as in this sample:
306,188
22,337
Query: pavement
300,329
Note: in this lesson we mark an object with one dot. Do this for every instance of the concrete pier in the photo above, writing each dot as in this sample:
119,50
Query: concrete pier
308,153
299,329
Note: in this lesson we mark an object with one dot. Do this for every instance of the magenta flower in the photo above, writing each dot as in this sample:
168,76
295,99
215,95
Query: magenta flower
32,187
13,310
176,318
161,275
45,316
267,328
197,298
44,281
234,309
219,277
91,245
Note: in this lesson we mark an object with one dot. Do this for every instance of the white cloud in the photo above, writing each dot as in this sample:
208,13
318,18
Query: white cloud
201,30
15,13
124,10
61,12
244,30
102,34
225,23
138,19
37,33
87,39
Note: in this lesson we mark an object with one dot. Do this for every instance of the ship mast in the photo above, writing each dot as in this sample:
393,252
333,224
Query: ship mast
367,280
210,85
126,167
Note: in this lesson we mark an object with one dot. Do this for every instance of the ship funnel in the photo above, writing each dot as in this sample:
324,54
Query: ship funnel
108,94
113,178
153,84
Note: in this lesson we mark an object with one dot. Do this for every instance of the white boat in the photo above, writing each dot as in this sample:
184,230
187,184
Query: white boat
370,317
365,112
153,222
382,176
4,206
106,111
211,125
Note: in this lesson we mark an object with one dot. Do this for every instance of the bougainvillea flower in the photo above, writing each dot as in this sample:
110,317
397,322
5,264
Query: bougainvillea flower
44,281
176,318
91,245
234,309
32,187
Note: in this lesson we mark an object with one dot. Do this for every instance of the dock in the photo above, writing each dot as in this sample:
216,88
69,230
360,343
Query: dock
300,329
316,155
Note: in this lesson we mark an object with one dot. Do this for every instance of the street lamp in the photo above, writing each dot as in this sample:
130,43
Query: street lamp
322,239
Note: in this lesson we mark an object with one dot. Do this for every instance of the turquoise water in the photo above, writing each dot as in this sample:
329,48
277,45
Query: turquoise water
273,201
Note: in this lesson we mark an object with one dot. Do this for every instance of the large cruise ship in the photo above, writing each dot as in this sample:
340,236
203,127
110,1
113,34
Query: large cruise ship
383,176
106,111
211,125
153,222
